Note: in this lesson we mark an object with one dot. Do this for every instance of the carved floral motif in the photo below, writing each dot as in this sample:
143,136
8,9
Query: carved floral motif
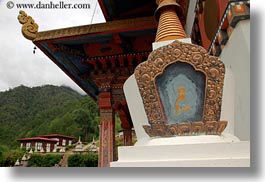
186,129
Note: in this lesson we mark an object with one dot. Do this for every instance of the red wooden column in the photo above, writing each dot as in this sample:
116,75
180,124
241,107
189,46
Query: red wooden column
126,122
127,136
107,130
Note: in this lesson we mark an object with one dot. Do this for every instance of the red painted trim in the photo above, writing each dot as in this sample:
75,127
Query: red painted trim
205,41
103,9
37,138
104,101
57,135
221,4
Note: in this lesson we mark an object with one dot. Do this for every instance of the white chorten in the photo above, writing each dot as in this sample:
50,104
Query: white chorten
79,146
93,147
17,163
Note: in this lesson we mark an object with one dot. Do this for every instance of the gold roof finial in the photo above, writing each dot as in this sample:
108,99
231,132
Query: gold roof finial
29,28
168,14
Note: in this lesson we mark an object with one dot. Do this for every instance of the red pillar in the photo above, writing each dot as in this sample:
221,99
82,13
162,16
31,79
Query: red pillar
126,123
127,137
107,130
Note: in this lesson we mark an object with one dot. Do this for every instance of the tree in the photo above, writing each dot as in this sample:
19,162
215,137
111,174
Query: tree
87,120
29,112
83,160
46,160
12,156
3,150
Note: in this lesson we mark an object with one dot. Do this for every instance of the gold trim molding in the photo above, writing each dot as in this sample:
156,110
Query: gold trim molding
97,28
186,129
29,27
147,72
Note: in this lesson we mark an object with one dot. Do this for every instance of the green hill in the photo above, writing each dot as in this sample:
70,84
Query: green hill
28,112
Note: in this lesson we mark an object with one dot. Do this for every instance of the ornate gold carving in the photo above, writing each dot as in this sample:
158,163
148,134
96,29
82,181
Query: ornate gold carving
29,28
185,129
158,60
221,127
211,127
197,128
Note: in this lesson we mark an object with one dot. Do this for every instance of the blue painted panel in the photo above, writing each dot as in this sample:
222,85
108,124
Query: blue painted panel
181,90
88,86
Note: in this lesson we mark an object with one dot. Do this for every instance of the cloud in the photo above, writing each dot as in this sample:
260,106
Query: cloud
18,64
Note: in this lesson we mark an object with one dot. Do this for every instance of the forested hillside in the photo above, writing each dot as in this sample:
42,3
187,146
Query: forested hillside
28,112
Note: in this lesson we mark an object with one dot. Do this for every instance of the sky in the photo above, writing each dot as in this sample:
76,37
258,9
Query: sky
18,64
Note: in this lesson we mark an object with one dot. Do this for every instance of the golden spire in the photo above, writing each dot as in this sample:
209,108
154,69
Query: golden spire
169,26
29,28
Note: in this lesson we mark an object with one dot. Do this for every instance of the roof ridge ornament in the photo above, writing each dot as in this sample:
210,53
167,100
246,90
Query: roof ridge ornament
29,28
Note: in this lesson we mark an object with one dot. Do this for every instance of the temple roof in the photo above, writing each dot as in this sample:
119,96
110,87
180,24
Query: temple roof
99,48
56,135
37,139
92,54
101,28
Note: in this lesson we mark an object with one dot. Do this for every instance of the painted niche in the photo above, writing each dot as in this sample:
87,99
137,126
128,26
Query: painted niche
181,90
181,87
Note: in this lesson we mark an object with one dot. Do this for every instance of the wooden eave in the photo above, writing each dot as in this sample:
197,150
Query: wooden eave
141,23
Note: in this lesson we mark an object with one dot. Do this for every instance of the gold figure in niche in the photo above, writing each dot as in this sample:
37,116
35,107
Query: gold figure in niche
181,97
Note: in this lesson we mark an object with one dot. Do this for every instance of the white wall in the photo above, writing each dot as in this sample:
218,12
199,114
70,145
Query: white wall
236,56
228,101
190,17
136,108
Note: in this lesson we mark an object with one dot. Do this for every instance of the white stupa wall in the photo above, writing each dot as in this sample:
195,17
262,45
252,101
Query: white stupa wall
136,107
228,103
236,93
225,150
156,45
138,114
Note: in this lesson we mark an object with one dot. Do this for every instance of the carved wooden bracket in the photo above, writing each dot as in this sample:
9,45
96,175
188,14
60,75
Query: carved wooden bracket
196,56
29,28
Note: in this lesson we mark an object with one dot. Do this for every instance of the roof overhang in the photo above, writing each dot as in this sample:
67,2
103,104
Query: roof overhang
72,48
37,139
